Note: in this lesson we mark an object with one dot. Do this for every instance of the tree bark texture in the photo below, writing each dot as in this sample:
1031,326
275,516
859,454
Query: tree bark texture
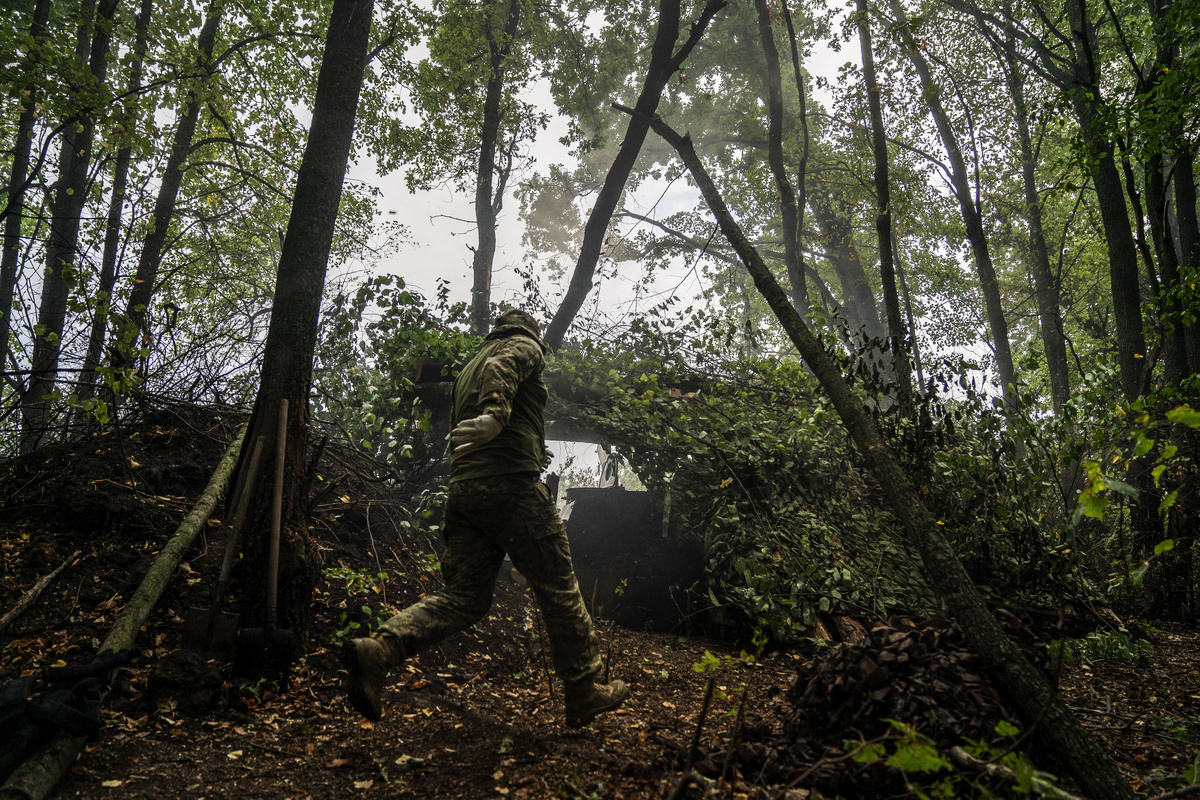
787,194
1046,285
664,62
36,778
133,329
805,138
292,334
883,214
1110,197
18,179
488,200
972,219
1052,723
1175,356
70,194
837,235
112,224
1184,182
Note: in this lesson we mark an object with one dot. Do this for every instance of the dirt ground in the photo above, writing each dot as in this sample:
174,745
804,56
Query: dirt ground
477,717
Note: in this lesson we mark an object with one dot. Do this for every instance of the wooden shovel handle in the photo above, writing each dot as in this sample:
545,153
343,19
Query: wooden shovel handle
238,522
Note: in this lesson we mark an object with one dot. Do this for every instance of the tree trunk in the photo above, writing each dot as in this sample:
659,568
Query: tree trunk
488,206
1175,360
1184,181
805,140
972,219
1043,710
787,194
132,330
909,317
664,61
838,237
292,335
112,225
15,210
1110,197
70,194
883,215
1046,287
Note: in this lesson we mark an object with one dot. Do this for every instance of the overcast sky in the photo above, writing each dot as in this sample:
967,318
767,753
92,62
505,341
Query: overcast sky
442,221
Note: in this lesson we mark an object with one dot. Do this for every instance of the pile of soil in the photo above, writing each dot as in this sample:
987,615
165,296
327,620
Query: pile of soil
478,716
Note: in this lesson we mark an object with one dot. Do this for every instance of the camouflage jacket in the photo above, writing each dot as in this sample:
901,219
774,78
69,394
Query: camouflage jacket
504,379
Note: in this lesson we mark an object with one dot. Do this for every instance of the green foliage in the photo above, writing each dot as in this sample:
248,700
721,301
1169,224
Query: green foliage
758,467
752,457
928,772
359,623
1101,645
357,581
373,345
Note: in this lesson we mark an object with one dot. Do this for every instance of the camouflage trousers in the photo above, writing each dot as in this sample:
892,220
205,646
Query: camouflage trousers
485,519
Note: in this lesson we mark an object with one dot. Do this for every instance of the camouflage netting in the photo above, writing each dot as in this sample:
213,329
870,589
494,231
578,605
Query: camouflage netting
806,560
919,673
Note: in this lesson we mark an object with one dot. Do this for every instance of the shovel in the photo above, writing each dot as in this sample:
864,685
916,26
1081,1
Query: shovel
211,631
269,652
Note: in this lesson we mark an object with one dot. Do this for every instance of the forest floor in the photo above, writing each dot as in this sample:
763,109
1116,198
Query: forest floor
478,717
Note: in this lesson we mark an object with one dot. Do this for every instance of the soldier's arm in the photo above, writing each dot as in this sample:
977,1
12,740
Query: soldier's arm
517,359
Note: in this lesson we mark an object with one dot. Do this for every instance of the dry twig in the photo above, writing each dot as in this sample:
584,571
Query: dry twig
34,592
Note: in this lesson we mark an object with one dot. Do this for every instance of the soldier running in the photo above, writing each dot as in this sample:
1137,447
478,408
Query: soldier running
496,505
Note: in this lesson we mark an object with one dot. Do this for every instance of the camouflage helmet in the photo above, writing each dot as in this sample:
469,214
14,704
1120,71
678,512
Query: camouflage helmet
516,318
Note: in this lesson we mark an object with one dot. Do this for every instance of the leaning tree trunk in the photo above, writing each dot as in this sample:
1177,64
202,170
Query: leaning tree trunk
883,213
112,225
488,200
292,335
18,179
66,209
664,62
1043,710
131,331
972,219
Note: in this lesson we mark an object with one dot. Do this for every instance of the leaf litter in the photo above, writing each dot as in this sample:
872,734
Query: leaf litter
477,716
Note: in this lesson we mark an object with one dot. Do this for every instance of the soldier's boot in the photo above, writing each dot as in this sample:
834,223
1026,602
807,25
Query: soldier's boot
367,661
587,700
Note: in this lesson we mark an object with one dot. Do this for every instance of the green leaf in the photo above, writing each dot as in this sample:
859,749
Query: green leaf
917,757
1157,472
1164,546
1005,728
1168,501
1093,506
869,752
1122,488
1143,445
1185,415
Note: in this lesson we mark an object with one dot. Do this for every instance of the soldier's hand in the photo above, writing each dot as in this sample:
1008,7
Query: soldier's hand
474,433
